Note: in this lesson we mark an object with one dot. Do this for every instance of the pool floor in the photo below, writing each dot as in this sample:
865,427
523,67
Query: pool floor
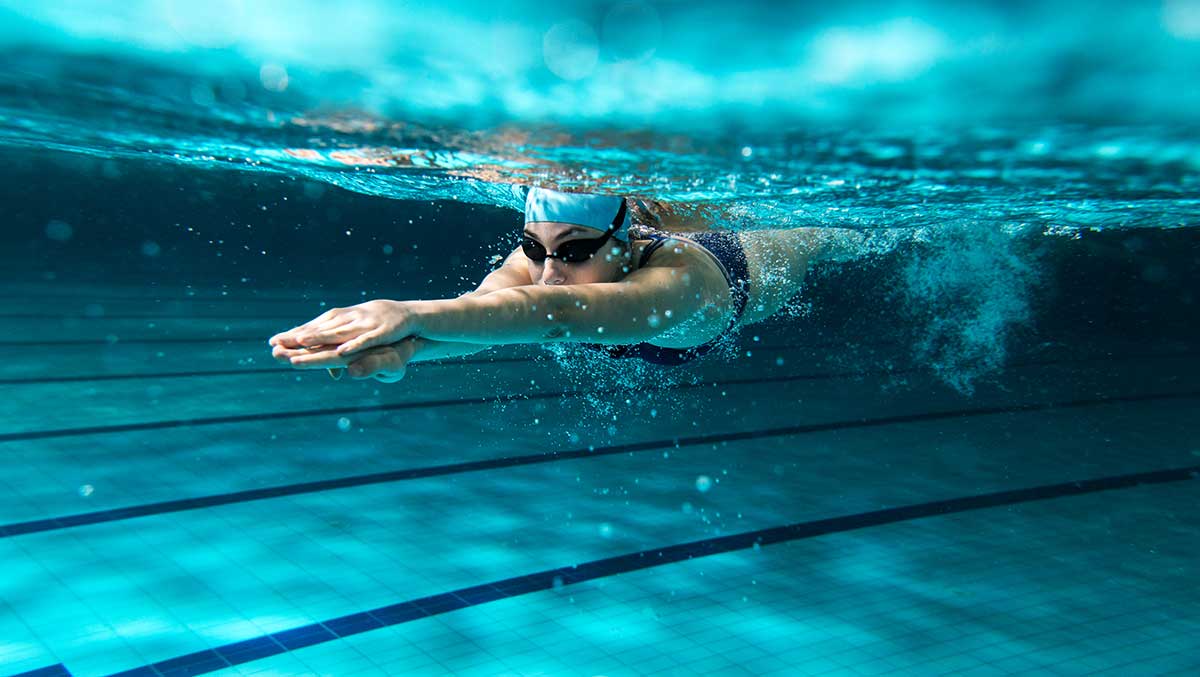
174,503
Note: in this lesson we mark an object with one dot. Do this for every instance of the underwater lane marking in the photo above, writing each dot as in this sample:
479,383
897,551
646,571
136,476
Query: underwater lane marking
419,404
500,399
179,505
307,302
221,372
245,651
448,361
35,380
38,380
259,340
59,670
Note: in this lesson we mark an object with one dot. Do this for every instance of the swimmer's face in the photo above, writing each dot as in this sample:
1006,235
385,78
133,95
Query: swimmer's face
604,266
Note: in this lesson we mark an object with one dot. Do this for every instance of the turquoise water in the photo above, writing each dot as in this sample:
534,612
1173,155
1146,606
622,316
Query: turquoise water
967,447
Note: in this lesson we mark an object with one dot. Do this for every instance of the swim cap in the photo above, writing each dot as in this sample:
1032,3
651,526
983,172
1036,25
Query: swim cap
578,209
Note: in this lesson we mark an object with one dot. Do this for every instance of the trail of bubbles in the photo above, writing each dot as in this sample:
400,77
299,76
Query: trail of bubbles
967,289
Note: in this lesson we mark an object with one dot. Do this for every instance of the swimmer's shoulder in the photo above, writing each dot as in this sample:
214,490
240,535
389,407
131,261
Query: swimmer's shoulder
675,252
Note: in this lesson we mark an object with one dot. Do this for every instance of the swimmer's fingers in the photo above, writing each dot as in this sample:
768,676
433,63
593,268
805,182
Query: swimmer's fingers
316,334
288,338
368,340
338,335
324,358
284,355
293,338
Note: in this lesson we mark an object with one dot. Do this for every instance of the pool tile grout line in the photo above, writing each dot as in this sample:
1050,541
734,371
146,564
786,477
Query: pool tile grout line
245,651
164,507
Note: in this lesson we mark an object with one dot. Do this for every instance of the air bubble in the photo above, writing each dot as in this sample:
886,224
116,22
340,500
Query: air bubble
59,231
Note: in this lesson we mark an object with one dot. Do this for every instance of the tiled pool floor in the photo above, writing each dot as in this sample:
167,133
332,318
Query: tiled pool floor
212,513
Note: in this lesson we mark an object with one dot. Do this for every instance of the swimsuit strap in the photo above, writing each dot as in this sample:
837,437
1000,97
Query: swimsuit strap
726,253
658,242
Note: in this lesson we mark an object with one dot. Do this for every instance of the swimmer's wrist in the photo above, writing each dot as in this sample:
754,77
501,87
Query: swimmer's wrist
433,319
417,315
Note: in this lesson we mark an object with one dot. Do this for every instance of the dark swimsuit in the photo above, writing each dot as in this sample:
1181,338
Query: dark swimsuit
726,248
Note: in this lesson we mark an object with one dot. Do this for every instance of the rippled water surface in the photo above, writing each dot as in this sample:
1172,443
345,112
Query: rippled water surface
991,115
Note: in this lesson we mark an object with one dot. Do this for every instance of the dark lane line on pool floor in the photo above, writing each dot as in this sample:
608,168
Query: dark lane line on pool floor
179,505
39,380
35,380
221,372
261,340
59,670
265,646
501,399
418,404
348,297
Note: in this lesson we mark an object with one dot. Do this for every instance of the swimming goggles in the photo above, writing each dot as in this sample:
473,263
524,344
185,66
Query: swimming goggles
572,251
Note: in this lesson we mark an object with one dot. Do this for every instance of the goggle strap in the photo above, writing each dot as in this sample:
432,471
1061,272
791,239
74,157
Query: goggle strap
616,224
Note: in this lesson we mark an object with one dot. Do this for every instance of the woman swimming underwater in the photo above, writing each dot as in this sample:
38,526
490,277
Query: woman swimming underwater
579,275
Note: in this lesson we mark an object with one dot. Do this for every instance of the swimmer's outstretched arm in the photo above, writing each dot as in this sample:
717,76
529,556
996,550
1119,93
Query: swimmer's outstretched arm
632,310
287,349
511,274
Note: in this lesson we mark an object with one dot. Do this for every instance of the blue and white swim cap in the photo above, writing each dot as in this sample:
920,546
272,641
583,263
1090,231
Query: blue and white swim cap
598,212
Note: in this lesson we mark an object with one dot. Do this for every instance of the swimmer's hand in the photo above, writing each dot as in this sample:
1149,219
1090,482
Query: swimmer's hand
387,364
366,325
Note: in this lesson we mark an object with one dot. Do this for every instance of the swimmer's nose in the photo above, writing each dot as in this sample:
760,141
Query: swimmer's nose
554,272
